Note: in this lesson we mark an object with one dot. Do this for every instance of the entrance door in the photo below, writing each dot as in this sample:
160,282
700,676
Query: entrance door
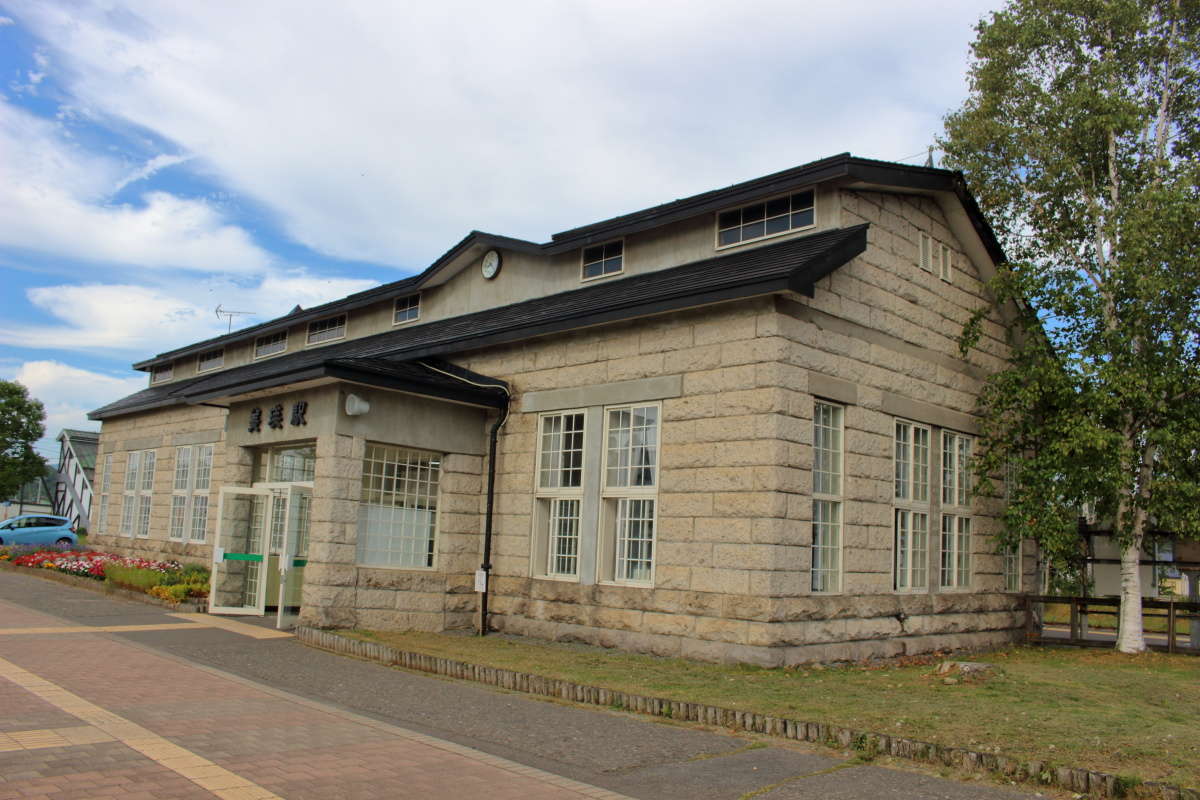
262,548
239,583
293,556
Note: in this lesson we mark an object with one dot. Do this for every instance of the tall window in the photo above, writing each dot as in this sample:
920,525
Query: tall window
911,513
760,220
105,488
956,510
630,491
189,497
139,493
827,498
560,490
1012,568
407,309
397,518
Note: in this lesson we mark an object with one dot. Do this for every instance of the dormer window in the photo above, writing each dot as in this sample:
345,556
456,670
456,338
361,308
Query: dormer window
162,373
603,259
271,344
407,309
327,330
210,360
774,217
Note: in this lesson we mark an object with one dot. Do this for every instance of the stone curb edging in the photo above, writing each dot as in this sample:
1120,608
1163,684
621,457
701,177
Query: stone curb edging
1084,781
100,587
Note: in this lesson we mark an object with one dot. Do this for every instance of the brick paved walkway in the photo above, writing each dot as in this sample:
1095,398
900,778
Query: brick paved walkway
88,715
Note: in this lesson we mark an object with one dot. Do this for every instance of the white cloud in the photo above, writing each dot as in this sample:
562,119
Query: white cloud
55,201
152,166
386,131
143,320
69,393
7,21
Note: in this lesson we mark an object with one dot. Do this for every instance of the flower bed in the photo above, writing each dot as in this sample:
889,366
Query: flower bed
166,580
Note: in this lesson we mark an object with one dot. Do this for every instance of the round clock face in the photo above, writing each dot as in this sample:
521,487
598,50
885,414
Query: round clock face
491,264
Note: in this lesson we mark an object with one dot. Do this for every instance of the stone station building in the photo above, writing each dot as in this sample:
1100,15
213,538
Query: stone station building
736,426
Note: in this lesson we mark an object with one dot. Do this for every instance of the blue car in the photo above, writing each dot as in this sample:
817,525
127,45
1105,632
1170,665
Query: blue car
38,529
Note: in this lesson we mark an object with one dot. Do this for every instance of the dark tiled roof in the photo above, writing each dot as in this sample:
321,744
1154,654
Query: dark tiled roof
794,264
842,165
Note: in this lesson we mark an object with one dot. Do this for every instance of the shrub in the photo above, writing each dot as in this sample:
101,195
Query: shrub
134,577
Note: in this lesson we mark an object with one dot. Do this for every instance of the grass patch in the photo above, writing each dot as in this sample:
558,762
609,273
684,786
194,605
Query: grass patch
1135,716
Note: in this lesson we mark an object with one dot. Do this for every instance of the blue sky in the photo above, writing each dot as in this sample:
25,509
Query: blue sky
158,159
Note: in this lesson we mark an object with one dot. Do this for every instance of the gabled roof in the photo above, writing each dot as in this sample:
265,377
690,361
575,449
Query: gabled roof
792,264
842,166
84,444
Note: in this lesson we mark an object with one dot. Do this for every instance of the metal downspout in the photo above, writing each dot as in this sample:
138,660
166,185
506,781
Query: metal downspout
486,566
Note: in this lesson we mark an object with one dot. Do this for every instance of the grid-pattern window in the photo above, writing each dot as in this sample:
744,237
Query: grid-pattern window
956,510
289,464
910,459
956,551
210,360
603,259
327,330
271,344
397,520
827,497
162,373
105,488
1012,568
189,498
956,469
912,462
912,549
145,493
760,220
631,489
407,309
560,490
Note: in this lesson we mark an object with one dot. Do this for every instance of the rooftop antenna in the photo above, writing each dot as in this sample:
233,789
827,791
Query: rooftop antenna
929,158
226,314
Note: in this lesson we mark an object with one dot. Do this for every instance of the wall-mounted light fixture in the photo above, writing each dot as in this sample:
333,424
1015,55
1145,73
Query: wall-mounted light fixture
356,406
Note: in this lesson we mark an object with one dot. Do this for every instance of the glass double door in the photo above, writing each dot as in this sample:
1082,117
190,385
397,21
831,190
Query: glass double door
261,551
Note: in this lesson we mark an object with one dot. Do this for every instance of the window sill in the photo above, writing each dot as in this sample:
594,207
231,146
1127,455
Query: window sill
628,584
360,565
557,578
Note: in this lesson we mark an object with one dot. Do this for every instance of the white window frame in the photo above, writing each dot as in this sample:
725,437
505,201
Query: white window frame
365,539
604,259
828,508
1011,567
308,339
220,360
410,306
911,505
161,374
190,494
274,337
105,488
764,202
138,494
551,499
925,251
616,501
945,263
955,532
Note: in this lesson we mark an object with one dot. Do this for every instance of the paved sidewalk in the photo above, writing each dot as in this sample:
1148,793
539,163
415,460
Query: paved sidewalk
105,697
89,716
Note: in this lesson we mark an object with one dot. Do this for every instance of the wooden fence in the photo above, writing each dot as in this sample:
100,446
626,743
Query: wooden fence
1093,623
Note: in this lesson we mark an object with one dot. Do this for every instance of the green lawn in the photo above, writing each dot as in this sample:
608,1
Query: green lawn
1129,715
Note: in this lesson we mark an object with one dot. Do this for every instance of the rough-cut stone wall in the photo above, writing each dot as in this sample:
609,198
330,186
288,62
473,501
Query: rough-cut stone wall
734,519
338,593
161,431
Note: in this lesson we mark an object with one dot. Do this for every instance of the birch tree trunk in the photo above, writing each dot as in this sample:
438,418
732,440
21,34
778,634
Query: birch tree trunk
1130,637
